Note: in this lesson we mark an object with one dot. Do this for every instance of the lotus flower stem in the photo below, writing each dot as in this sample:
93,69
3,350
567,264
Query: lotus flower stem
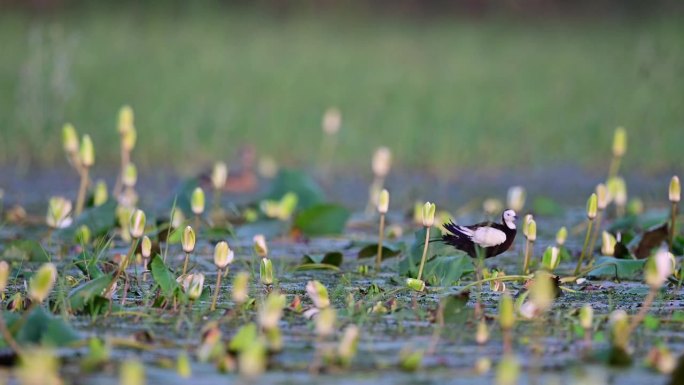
185,263
673,224
82,191
594,236
645,307
584,247
425,249
4,331
378,257
528,255
122,266
216,292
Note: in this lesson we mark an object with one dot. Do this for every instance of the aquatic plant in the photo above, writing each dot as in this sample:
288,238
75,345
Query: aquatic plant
592,208
383,206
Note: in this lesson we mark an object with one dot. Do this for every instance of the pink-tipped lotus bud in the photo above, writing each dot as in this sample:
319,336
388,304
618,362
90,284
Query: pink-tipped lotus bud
197,201
561,236
188,239
608,243
87,151
219,175
223,255
69,139
260,247
603,196
428,214
146,247
675,191
383,201
515,198
592,207
318,294
382,161
42,282
137,227
332,120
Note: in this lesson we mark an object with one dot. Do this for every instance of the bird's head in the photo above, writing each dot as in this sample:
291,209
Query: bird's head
509,218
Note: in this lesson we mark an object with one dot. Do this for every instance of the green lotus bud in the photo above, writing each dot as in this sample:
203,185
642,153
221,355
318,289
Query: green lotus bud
482,334
608,242
383,201
260,247
223,255
592,208
177,218
188,239
635,207
100,195
325,322
132,372
602,196
123,217
619,142
551,258
271,310
410,360
428,214
617,189
41,282
675,191
492,206
483,365
415,284
36,366
252,360
506,312
219,175
346,350
69,139
130,175
658,268
531,230
382,161
4,275
620,329
332,120
82,235
542,292
197,201
125,119
59,213
525,223
87,152
561,236
586,316
515,198
146,247
183,367
266,271
508,370
128,140
318,294
196,285
240,292
137,227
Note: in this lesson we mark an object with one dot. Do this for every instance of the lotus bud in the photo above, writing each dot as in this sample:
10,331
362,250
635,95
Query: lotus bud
318,294
197,201
87,151
515,198
492,206
551,258
531,230
196,285
382,161
608,242
526,221
271,311
183,367
482,334
267,167
59,211
415,284
542,292
100,195
383,201
561,236
635,207
620,329
410,360
128,140
137,227
619,142
252,360
188,239
260,247
132,372
41,282
592,208
82,235
125,119
658,268
325,322
602,195
346,350
508,370
177,218
332,120
223,255
240,287
506,312
483,365
219,175
586,316
266,271
661,359
428,214
675,191
4,275
130,175
146,247
69,139
618,190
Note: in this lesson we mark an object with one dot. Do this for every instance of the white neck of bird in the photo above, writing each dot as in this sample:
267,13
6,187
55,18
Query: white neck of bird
510,224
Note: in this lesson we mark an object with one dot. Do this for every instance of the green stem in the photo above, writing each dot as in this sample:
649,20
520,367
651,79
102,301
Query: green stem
648,301
122,267
528,255
80,201
673,224
584,247
503,278
373,192
8,336
216,292
594,236
614,167
425,248
185,264
378,257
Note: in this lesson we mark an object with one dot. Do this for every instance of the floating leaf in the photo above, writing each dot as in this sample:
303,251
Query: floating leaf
85,293
163,276
331,261
613,268
445,271
42,328
388,251
322,219
308,192
455,309
25,250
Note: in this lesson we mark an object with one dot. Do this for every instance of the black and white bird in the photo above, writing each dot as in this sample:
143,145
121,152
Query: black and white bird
492,238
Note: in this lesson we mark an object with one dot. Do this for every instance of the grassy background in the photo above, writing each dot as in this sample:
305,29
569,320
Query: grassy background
443,93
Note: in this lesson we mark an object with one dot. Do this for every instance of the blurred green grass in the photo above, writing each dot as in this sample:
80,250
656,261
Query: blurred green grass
444,94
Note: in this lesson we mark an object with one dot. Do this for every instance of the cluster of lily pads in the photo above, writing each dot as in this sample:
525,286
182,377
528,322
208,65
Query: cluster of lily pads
108,258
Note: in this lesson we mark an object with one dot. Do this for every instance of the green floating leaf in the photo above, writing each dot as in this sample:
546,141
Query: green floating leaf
446,271
99,221
613,268
330,261
388,251
163,276
42,328
87,292
322,219
25,250
308,192
455,309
